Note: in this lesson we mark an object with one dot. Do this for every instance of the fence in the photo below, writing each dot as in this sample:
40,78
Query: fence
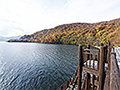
97,70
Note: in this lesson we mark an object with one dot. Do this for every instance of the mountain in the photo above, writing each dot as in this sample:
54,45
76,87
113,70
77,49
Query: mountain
77,33
8,38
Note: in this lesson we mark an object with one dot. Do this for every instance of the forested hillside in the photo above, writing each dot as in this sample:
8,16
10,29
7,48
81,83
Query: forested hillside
77,33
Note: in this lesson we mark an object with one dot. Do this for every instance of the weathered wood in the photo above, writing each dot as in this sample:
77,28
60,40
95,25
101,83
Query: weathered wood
91,71
95,79
94,62
80,64
86,61
84,82
73,79
67,84
93,82
101,68
95,50
114,74
105,52
98,60
90,60
107,80
96,83
109,57
88,74
90,53
88,47
74,83
61,87
87,86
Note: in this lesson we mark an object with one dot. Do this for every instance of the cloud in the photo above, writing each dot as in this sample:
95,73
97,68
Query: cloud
29,16
10,28
90,10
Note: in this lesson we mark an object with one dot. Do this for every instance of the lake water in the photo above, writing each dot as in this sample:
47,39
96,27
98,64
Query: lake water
35,66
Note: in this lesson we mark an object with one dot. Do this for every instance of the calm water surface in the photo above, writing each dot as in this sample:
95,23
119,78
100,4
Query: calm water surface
35,66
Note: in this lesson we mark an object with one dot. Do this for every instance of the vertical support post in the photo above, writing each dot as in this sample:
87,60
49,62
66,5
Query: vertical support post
61,87
98,60
67,84
88,47
106,53
80,64
101,68
108,56
93,82
109,60
87,87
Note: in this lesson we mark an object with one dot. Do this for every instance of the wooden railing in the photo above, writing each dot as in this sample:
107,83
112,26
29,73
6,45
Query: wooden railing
97,70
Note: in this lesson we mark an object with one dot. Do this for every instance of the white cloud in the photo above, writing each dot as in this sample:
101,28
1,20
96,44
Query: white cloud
29,16
90,10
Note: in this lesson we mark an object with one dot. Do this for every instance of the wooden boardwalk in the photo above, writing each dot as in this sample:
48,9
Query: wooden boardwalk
97,70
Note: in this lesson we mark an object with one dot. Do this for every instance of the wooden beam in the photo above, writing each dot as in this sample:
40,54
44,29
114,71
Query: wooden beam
91,50
80,64
90,53
101,68
91,71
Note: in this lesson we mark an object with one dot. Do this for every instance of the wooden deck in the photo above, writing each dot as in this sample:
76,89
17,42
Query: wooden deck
97,70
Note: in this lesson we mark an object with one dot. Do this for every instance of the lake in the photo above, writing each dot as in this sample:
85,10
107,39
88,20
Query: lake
36,66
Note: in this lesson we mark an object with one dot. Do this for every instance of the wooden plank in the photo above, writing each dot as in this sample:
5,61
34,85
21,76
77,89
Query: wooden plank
74,83
84,82
107,80
114,74
90,53
91,71
96,83
91,50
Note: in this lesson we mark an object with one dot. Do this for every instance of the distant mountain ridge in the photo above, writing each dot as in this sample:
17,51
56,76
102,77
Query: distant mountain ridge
77,33
8,38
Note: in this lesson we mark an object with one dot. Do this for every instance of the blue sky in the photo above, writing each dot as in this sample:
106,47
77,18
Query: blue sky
19,17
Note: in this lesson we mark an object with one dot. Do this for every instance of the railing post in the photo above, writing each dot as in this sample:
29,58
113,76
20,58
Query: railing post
80,64
109,56
101,68
88,47
109,60
61,87
106,51
88,75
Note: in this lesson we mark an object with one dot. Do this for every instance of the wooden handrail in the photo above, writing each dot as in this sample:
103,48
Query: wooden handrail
89,78
114,74
95,50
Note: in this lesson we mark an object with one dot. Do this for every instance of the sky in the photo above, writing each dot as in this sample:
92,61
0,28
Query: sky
19,17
